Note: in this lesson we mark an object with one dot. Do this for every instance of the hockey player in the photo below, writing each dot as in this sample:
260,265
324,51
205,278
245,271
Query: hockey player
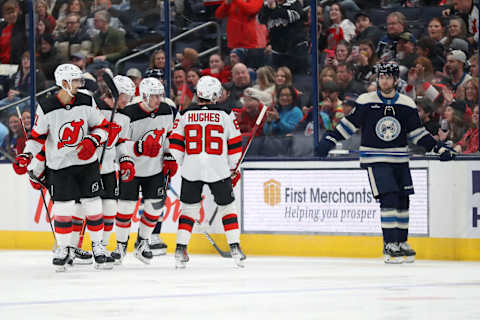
71,128
151,121
206,142
388,120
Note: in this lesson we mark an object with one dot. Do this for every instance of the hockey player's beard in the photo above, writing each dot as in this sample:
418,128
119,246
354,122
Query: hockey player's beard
388,91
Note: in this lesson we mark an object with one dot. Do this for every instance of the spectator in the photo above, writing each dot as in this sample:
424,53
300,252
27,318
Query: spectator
340,27
237,55
454,68
456,29
419,77
425,111
342,52
183,95
266,80
41,9
387,45
349,103
285,21
346,82
26,119
3,135
471,92
20,81
330,103
41,29
193,75
253,102
73,6
240,81
48,57
13,37
73,39
218,69
406,53
9,144
365,62
469,11
109,45
284,118
365,29
427,48
189,59
157,60
118,19
469,141
136,76
457,124
328,73
241,22
474,65
283,76
436,29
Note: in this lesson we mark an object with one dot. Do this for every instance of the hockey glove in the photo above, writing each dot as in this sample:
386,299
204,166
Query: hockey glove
444,152
235,178
170,166
325,145
127,169
149,147
87,147
22,161
37,182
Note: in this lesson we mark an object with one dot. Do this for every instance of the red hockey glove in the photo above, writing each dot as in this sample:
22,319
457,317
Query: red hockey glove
235,178
127,169
150,147
170,166
22,161
87,147
37,182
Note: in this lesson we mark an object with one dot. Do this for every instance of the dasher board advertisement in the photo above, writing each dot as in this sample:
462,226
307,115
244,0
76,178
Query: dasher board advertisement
330,201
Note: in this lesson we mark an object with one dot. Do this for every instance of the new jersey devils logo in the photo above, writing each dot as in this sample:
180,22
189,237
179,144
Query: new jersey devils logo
113,131
70,134
155,134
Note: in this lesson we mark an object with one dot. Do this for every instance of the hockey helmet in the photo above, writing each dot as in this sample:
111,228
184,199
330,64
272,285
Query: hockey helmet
149,86
124,85
391,69
155,73
209,88
67,72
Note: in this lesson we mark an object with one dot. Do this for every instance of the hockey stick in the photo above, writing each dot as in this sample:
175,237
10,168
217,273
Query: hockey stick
7,155
225,254
33,177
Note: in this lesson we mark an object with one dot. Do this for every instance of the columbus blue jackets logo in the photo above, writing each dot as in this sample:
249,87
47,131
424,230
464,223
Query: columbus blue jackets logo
388,128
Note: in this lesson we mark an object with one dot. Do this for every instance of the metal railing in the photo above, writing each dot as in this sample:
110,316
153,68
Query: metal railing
38,94
180,36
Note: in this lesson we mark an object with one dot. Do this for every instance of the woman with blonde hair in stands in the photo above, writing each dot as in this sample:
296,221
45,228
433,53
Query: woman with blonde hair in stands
458,122
456,29
471,92
157,60
265,80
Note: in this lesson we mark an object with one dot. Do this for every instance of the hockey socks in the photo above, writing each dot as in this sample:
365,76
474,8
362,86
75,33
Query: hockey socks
77,224
185,227
230,225
122,226
158,228
147,223
63,230
95,227
109,211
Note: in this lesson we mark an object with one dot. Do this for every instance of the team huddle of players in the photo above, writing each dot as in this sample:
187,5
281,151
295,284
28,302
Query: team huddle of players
94,168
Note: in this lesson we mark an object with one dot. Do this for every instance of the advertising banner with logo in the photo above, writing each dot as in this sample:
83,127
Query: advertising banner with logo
332,201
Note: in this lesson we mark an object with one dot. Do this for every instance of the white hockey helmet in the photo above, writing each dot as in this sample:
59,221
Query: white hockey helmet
209,88
67,72
149,86
124,85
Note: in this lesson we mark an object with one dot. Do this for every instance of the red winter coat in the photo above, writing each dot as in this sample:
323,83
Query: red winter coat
224,76
242,22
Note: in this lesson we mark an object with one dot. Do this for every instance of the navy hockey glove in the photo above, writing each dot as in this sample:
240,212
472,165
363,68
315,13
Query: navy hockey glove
444,152
325,145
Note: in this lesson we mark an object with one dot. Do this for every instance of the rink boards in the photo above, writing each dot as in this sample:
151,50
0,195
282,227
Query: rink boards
297,208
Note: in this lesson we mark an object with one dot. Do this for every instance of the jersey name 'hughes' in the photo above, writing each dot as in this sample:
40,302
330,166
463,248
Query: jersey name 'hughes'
200,116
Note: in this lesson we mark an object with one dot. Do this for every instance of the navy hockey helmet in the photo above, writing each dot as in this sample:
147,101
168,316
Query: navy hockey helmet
388,69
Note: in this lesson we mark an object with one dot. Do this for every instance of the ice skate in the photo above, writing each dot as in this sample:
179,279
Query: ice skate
99,255
62,259
142,251
392,253
407,252
181,256
157,246
119,253
237,255
81,257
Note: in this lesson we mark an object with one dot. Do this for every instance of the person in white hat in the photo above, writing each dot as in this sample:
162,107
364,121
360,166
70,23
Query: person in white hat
455,69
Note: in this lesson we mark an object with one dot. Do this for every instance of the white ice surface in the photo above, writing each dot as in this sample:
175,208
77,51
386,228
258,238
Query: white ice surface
211,288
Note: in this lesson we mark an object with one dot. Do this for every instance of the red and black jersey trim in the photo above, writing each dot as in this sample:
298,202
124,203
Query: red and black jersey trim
177,142
41,155
40,138
235,145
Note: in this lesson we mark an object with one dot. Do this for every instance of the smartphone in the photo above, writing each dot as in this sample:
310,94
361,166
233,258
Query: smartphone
444,125
355,50
330,53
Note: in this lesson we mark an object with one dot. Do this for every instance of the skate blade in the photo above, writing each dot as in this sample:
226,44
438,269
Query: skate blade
142,258
393,260
409,259
158,252
80,262
61,268
180,265
108,265
118,262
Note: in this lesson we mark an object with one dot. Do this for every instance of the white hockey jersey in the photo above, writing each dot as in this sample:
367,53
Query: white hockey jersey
143,123
206,142
117,132
62,127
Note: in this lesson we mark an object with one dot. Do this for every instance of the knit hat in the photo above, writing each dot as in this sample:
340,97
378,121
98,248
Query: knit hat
263,97
459,44
241,53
